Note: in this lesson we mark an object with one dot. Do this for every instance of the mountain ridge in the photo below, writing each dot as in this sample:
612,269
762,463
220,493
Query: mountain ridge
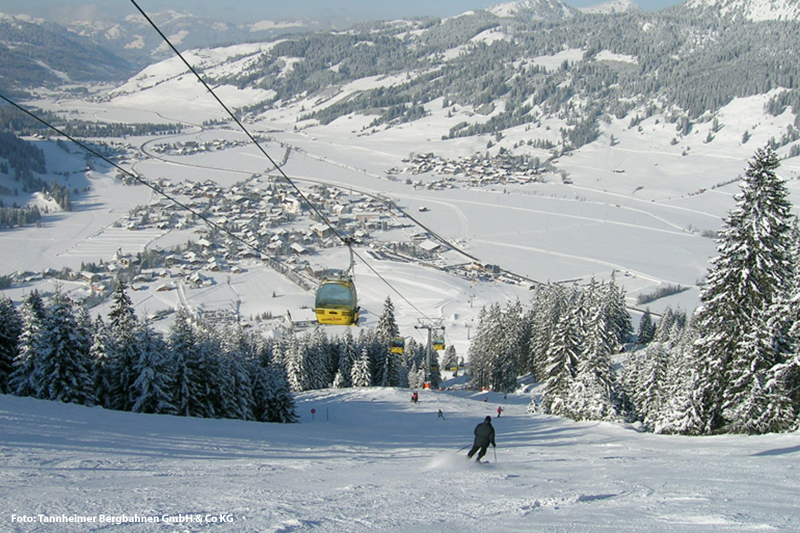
40,53
512,63
751,10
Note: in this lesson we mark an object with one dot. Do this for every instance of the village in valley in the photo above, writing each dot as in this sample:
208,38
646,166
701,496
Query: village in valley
477,170
264,220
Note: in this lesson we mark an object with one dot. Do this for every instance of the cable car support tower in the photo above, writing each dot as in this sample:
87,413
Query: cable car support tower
435,342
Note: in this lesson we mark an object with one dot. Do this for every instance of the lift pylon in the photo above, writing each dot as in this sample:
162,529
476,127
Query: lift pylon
435,331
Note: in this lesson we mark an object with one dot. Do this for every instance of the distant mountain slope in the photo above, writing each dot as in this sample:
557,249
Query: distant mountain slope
510,69
533,9
135,39
614,6
753,10
38,53
509,65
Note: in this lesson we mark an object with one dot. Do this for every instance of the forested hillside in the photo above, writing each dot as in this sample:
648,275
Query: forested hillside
682,62
40,54
685,62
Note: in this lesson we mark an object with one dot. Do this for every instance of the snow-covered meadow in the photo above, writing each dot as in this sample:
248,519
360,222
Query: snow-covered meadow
370,460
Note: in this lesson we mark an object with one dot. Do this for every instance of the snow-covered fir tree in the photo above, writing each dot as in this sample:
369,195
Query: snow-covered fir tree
272,399
296,359
387,324
153,385
32,314
348,353
210,394
392,373
412,360
592,395
754,401
339,380
62,366
435,373
645,381
240,349
549,304
181,344
683,411
416,377
619,320
321,359
501,349
734,352
489,340
562,360
361,375
518,338
120,351
10,330
503,373
648,378
450,358
97,354
785,328
647,329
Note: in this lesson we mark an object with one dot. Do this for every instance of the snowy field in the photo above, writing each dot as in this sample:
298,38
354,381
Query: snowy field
369,460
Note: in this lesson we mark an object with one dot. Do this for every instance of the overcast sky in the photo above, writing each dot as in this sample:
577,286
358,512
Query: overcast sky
254,10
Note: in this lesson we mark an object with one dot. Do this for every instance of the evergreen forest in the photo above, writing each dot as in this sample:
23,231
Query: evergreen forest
732,366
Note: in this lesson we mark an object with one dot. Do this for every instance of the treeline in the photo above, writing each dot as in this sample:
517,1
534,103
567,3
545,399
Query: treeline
58,353
103,130
24,159
732,367
565,338
661,292
18,217
14,121
60,194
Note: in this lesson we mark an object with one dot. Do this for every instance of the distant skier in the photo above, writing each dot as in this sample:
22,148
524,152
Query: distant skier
441,415
415,397
484,436
499,410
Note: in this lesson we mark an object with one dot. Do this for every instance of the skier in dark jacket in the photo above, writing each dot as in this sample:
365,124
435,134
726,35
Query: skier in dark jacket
484,436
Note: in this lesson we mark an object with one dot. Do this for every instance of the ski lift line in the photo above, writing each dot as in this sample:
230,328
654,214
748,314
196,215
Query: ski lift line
133,176
396,291
346,240
180,204
241,125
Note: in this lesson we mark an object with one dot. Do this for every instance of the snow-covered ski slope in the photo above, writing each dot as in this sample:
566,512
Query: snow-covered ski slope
369,460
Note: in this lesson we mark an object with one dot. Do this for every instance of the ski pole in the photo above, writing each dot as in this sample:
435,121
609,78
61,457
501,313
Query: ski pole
494,449
461,449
